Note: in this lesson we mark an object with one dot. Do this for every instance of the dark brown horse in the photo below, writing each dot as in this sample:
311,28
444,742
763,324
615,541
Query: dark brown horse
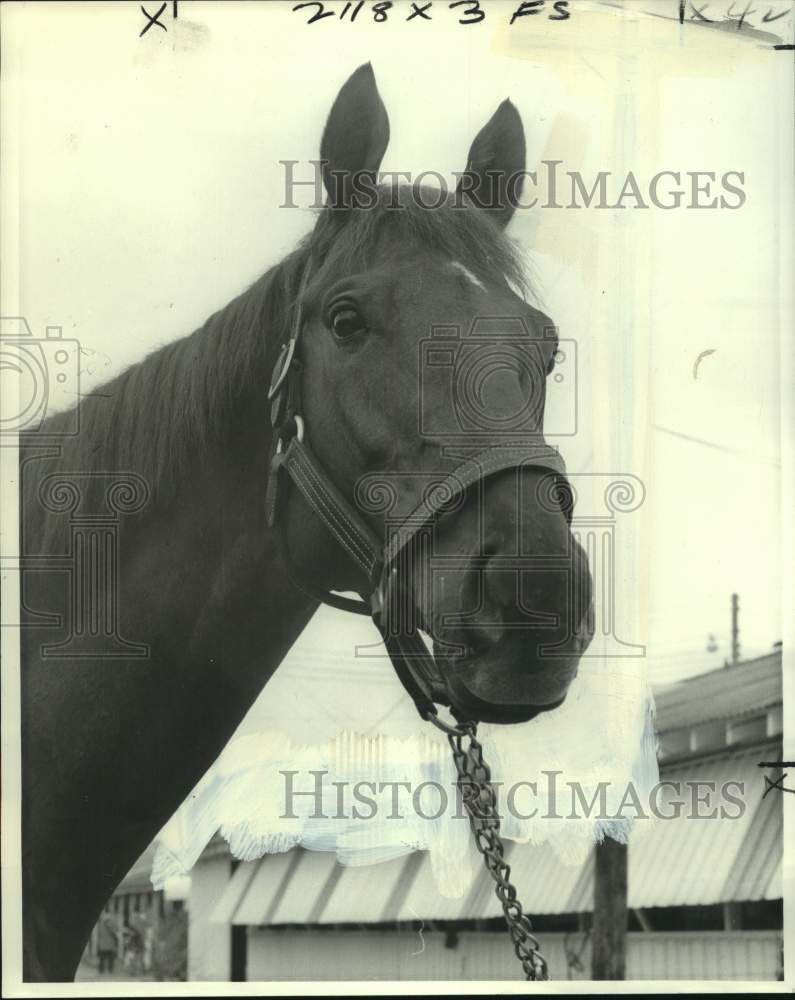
156,603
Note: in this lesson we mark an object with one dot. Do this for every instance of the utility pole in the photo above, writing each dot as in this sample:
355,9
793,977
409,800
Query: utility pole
735,628
609,930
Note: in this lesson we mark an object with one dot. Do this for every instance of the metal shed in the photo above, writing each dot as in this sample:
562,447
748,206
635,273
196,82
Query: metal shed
301,915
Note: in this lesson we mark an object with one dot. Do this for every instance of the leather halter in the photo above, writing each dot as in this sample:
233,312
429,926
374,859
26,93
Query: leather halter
382,561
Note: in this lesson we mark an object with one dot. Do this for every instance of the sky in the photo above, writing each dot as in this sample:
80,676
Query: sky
149,189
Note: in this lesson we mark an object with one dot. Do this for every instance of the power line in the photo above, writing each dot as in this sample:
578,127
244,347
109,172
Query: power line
718,447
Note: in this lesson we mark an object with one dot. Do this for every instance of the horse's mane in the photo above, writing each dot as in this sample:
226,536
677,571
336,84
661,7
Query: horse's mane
152,417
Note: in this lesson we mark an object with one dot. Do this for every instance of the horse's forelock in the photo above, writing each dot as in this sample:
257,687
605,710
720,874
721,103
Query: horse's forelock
346,241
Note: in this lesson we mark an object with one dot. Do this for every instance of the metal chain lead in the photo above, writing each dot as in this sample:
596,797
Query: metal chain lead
480,801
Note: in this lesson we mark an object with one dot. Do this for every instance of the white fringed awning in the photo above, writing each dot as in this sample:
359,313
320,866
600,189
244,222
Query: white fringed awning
734,858
263,793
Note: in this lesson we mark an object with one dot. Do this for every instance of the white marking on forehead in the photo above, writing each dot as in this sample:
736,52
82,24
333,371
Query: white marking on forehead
468,274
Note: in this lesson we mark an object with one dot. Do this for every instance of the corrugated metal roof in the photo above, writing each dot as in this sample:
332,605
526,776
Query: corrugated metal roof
358,897
305,884
269,883
423,901
775,887
242,877
138,878
682,861
756,873
582,897
720,694
544,884
689,861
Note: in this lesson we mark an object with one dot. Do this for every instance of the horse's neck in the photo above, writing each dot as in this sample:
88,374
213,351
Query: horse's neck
113,743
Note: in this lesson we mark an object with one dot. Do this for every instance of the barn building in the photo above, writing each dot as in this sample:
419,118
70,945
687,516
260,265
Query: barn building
704,891
136,903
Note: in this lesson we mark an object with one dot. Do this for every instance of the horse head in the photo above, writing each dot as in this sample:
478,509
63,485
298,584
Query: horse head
419,352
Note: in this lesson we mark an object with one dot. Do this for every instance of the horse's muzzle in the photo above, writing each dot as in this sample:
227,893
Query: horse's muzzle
514,679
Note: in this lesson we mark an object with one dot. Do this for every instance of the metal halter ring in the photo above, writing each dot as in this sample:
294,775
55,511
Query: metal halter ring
299,433
461,729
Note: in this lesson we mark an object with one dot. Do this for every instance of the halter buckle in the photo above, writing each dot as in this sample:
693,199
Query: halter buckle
282,366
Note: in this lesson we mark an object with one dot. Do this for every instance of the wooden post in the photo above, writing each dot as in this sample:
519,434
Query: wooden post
609,931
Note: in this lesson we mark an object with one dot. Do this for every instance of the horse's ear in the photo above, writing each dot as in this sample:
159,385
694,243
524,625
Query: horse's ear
495,164
354,139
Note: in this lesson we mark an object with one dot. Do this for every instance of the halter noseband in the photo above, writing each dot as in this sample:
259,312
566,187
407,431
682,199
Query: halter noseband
382,562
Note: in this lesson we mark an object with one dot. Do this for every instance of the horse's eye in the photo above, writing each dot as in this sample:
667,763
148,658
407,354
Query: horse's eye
346,323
